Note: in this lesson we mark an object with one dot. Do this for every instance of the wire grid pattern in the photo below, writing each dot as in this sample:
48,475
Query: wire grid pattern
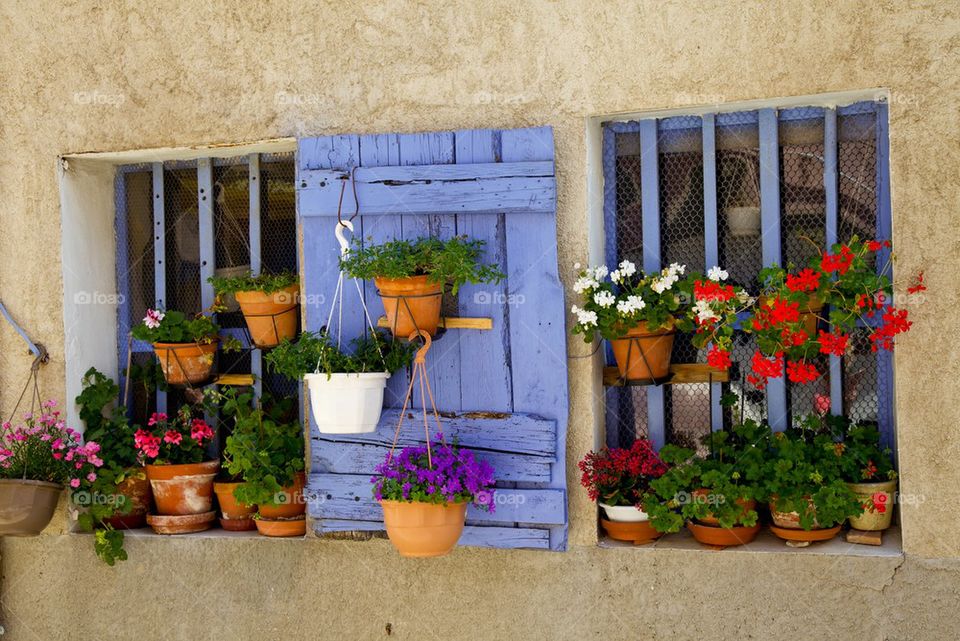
803,223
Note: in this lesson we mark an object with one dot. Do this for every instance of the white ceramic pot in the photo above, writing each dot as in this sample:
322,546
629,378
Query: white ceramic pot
346,403
743,221
624,513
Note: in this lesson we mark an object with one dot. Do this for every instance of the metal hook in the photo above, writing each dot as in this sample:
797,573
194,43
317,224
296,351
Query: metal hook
338,232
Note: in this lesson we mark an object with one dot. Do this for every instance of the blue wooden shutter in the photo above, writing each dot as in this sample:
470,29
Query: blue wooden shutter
503,392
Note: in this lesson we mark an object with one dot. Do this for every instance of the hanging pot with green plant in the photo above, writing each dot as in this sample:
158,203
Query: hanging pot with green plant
269,303
185,347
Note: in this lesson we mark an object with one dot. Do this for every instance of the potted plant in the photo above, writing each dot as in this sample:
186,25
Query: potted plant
411,276
180,473
809,499
265,451
185,347
716,495
268,302
424,491
741,204
346,388
868,472
618,479
714,314
37,458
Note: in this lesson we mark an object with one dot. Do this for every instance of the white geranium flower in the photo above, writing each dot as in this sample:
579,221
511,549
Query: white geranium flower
600,272
676,269
627,268
604,299
616,276
576,265
584,283
630,305
717,274
704,312
744,297
586,318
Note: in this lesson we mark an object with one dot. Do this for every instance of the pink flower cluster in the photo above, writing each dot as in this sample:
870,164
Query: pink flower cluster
176,440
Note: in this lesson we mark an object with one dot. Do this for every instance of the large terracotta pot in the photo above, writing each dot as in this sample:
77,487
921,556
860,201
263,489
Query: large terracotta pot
136,489
291,504
183,489
184,363
710,519
270,317
722,536
786,525
423,529
26,506
643,355
410,303
636,532
284,527
872,518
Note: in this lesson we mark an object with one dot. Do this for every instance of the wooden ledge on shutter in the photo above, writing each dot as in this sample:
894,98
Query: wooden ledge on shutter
236,380
679,373
451,322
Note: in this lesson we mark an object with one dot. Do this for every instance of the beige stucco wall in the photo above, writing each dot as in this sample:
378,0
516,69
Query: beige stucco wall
104,76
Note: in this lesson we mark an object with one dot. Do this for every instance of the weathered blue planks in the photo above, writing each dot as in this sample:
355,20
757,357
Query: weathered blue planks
493,537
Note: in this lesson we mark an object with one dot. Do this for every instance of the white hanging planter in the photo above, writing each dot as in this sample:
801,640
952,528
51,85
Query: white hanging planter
346,403
743,221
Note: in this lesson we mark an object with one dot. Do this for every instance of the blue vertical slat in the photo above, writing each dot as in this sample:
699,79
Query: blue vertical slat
650,203
159,255
832,189
618,400
710,235
770,225
885,409
205,215
123,270
253,170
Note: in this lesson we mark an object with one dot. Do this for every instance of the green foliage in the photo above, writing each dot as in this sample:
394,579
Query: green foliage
264,449
863,460
266,283
175,327
316,351
452,262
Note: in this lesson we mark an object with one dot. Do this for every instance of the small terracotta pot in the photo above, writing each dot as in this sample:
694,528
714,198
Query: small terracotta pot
238,525
183,489
184,363
136,489
183,524
722,536
26,507
423,529
410,303
648,353
808,313
230,507
282,527
270,317
789,520
291,504
872,519
710,519
791,535
636,532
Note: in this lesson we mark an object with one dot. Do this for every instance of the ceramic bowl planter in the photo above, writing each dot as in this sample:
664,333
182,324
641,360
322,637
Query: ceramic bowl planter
624,513
871,495
186,363
743,221
423,529
786,525
410,304
183,489
291,504
643,355
136,489
26,507
346,403
270,317
234,515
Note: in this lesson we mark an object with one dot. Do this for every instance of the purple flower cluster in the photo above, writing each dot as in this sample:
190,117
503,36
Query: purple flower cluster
456,476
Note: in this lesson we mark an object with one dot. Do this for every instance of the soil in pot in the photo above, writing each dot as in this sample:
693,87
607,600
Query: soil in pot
873,519
282,527
270,317
347,403
183,489
410,303
643,355
26,507
423,529
292,504
230,507
636,532
182,524
136,488
721,536
186,363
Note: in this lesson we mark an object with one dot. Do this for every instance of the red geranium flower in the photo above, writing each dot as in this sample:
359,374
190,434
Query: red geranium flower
801,372
806,281
833,343
718,358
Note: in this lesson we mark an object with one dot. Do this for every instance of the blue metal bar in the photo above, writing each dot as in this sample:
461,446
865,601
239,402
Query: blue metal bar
711,237
30,344
159,255
885,409
253,164
650,204
770,224
122,266
205,214
832,190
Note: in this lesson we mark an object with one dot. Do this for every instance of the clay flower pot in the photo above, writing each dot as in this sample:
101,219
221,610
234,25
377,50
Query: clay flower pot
282,527
873,519
808,313
643,355
184,524
183,489
786,525
624,513
26,506
270,317
423,529
721,536
703,494
410,303
291,503
636,532
185,363
136,489
239,516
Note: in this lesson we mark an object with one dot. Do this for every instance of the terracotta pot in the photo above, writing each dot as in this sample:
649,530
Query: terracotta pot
290,504
183,489
423,529
238,525
410,303
703,495
636,532
808,313
26,507
873,520
136,489
184,524
722,536
788,520
184,363
270,317
282,527
230,507
804,537
648,353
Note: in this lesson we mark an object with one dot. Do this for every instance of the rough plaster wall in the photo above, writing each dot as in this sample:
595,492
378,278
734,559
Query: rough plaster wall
83,76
